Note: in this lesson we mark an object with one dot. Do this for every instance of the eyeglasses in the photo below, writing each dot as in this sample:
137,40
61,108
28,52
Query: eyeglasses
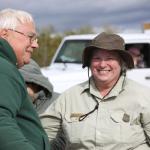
32,36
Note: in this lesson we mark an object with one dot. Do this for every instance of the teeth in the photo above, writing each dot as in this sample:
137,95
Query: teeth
103,70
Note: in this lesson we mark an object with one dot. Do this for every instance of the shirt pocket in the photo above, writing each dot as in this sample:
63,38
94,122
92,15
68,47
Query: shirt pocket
128,127
77,131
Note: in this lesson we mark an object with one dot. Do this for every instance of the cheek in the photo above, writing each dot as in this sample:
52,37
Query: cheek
20,47
92,67
117,67
19,53
26,55
93,64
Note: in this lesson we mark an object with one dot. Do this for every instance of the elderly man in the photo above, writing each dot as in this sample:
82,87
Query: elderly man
20,127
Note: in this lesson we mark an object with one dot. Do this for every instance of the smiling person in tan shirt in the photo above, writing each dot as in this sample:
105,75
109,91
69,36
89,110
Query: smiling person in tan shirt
107,112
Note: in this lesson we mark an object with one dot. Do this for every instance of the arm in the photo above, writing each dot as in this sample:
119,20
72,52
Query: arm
145,114
145,123
52,123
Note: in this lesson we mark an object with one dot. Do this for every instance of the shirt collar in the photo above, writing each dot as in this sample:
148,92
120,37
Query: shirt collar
117,89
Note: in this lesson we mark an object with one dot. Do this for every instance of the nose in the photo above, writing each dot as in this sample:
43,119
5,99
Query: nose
35,44
102,63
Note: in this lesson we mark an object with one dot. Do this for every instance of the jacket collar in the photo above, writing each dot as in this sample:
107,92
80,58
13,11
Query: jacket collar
7,52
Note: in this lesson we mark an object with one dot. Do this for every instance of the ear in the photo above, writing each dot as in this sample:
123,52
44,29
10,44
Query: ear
4,33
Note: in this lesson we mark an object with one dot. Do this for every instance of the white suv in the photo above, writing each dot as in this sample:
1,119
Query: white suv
66,70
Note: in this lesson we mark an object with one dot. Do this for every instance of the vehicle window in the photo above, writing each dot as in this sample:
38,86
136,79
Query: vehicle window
71,51
140,53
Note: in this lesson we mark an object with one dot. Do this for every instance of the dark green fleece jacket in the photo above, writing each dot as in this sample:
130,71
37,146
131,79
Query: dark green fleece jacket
20,127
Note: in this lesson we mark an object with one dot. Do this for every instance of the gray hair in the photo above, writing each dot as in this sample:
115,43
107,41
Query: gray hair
11,18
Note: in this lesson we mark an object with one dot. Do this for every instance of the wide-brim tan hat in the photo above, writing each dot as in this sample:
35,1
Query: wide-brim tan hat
107,41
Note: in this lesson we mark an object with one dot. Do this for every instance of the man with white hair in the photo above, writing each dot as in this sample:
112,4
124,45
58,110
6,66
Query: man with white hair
20,127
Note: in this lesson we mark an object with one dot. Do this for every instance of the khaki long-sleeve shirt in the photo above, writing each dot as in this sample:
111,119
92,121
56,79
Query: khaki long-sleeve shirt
121,122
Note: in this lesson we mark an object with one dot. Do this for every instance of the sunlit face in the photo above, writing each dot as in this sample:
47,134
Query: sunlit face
105,67
22,41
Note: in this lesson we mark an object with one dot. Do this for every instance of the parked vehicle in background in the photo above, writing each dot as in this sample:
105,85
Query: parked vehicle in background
66,70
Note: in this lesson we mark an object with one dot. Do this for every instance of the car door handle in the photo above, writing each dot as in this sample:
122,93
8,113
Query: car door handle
147,77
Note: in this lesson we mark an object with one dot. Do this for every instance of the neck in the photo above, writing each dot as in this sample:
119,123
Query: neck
104,88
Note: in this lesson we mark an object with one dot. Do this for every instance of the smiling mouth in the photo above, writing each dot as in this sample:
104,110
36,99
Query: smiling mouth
104,71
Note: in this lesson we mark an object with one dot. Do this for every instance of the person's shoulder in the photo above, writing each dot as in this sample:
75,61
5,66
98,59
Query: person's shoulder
138,92
131,84
5,65
9,70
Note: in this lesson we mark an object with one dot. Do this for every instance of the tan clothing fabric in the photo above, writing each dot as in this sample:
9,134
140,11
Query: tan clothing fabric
120,122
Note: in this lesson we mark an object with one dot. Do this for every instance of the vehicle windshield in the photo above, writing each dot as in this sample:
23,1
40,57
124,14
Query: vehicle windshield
71,51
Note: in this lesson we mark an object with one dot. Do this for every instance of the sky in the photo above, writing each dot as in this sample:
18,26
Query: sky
66,15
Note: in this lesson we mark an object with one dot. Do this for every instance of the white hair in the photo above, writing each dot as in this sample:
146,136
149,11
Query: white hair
11,18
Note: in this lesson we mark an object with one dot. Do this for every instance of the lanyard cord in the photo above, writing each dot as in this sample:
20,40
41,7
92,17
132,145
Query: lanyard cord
82,117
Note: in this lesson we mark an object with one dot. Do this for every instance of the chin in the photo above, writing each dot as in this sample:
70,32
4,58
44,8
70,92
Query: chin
20,65
27,61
